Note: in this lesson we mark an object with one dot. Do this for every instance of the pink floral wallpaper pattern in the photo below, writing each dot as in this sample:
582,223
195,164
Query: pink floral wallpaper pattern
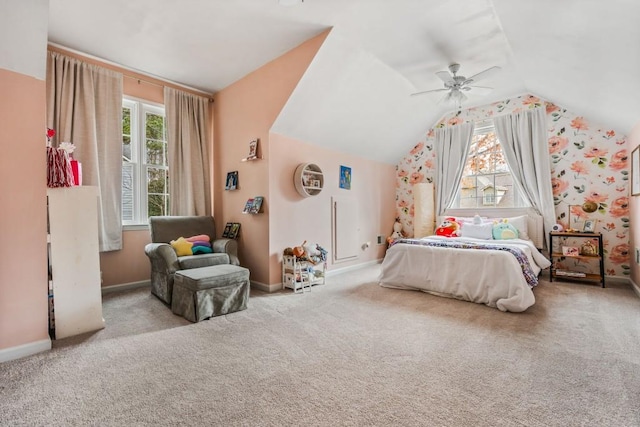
588,163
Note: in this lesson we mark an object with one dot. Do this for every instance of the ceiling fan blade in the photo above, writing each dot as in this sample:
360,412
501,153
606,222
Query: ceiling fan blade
479,90
482,75
429,91
446,77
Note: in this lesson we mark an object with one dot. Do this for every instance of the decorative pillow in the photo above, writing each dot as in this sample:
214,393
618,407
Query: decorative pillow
449,228
201,250
520,222
478,231
198,238
201,243
182,246
504,230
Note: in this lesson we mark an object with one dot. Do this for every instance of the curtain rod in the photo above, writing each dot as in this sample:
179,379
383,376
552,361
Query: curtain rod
133,70
158,84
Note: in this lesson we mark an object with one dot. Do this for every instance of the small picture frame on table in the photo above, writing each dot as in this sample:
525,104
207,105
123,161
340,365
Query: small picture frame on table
589,226
570,251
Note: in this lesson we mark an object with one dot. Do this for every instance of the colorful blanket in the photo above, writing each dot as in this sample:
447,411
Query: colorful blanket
521,257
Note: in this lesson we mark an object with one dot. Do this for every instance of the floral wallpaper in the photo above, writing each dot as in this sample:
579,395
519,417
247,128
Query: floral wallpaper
588,163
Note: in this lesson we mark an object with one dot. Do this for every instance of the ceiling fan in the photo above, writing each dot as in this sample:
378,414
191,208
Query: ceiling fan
456,85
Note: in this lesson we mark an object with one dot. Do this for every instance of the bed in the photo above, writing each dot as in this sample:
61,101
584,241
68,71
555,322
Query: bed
498,273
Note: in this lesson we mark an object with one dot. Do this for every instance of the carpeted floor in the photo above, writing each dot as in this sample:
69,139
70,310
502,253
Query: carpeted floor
347,353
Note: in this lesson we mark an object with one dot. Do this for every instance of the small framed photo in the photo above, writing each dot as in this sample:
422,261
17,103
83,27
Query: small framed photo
227,229
232,181
345,177
315,183
253,149
235,229
570,251
589,226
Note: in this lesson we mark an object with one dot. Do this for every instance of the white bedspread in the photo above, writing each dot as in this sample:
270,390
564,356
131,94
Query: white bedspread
485,276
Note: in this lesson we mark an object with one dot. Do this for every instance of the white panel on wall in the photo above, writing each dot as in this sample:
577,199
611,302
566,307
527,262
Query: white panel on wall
345,229
424,220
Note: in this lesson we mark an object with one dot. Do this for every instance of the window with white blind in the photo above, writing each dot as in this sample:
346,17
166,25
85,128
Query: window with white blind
487,181
145,174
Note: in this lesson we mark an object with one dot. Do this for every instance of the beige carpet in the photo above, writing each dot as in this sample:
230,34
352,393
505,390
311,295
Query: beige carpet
348,353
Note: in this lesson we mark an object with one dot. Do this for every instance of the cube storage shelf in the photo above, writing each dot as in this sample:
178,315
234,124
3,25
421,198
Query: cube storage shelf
300,275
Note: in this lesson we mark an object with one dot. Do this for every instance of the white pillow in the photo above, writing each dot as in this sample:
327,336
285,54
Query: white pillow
477,231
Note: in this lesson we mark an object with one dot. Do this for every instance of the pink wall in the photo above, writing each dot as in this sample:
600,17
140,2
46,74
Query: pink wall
128,265
634,141
589,161
23,253
245,111
294,219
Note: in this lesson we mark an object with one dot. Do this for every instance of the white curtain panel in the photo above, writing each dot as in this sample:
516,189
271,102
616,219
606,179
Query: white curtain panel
452,147
84,106
524,141
187,125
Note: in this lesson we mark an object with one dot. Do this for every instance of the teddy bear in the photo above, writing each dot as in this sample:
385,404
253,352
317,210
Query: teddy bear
449,228
397,232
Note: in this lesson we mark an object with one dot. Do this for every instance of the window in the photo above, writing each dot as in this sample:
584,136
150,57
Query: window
145,174
486,179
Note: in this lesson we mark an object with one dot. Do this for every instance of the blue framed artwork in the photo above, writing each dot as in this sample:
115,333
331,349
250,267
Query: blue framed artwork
345,177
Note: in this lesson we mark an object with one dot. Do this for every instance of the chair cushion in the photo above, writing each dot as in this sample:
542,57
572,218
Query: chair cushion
217,276
202,260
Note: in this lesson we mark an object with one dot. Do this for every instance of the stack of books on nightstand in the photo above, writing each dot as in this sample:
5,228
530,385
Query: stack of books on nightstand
570,273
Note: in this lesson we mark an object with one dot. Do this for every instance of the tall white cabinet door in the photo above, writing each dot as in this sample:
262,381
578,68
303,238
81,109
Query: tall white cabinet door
75,260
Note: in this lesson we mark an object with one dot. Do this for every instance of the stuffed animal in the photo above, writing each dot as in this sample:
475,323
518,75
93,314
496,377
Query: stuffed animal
449,228
397,231
503,230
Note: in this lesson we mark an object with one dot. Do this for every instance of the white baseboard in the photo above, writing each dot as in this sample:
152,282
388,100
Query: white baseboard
333,272
24,350
125,286
635,287
266,288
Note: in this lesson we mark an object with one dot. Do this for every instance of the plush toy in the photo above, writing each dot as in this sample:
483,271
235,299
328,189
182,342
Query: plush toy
449,228
397,231
503,230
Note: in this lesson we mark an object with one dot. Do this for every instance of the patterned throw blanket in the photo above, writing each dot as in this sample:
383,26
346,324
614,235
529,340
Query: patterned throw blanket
529,276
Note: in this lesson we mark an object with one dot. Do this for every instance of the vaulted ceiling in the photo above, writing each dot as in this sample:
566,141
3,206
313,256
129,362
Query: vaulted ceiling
355,96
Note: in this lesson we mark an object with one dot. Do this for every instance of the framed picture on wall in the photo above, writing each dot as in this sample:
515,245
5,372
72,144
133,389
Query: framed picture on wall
635,171
345,177
232,181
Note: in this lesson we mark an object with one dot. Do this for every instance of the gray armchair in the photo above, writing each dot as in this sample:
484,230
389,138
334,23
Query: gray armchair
165,262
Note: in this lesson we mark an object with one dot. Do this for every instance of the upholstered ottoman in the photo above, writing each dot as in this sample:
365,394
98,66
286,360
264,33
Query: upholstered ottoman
200,293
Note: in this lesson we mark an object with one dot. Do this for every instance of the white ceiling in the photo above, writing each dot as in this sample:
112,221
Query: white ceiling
581,54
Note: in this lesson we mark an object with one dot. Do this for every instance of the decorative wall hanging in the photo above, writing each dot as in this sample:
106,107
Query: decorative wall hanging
232,181
345,177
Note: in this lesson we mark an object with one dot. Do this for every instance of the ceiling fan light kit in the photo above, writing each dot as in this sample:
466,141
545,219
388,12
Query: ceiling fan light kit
455,84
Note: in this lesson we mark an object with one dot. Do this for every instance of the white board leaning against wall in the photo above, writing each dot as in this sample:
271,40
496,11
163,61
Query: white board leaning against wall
424,220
